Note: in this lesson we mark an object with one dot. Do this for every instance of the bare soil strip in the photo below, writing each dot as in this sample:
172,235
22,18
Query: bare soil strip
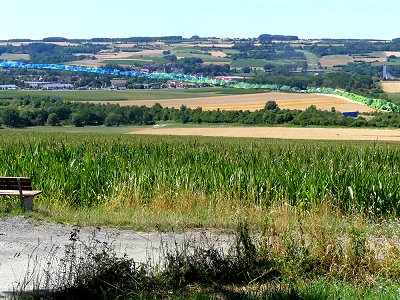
256,101
339,134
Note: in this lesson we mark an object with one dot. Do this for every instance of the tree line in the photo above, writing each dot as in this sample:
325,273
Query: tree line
43,53
359,84
353,47
35,111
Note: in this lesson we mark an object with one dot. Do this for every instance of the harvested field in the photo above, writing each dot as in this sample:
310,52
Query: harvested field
87,63
14,56
113,55
336,60
342,134
218,54
371,59
391,87
105,55
124,45
216,45
219,63
147,53
256,101
395,53
341,60
108,55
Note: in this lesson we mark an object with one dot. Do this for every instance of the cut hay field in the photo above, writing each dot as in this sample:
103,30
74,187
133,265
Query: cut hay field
131,95
335,134
342,60
394,53
254,102
335,60
105,57
15,56
391,87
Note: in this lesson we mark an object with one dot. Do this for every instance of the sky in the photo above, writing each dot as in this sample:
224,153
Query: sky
37,19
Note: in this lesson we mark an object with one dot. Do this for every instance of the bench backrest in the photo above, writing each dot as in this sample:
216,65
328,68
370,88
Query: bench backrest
15,183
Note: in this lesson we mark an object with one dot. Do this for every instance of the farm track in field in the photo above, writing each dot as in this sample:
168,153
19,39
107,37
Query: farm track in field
40,241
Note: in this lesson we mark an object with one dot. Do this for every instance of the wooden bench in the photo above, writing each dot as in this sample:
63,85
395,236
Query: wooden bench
19,186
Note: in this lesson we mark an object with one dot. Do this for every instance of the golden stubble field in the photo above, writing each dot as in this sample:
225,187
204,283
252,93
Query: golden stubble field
391,87
109,55
342,60
254,102
338,134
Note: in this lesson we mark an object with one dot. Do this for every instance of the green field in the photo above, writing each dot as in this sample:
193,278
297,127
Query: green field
109,95
353,177
252,63
312,59
230,51
185,49
395,98
138,60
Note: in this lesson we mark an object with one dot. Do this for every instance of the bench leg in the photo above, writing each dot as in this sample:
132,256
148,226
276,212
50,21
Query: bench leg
27,203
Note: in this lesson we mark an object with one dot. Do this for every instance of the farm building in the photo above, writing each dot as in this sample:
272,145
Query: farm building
49,85
57,86
35,84
8,87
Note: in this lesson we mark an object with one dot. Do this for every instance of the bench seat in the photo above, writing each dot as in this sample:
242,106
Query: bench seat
16,193
21,187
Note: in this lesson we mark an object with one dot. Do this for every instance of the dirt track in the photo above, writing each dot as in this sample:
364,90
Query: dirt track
256,101
25,243
343,134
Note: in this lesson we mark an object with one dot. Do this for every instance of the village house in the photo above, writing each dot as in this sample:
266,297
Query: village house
8,87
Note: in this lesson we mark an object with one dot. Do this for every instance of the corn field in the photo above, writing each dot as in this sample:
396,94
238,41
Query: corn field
87,169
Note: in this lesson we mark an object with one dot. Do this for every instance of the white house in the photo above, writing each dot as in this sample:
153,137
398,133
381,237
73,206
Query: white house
8,87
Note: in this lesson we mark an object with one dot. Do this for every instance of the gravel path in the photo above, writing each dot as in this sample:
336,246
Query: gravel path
26,243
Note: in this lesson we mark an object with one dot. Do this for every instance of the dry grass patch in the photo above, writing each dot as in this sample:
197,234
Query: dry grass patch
183,212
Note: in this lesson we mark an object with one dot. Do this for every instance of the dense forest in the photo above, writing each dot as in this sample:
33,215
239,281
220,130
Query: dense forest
35,111
353,47
359,84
